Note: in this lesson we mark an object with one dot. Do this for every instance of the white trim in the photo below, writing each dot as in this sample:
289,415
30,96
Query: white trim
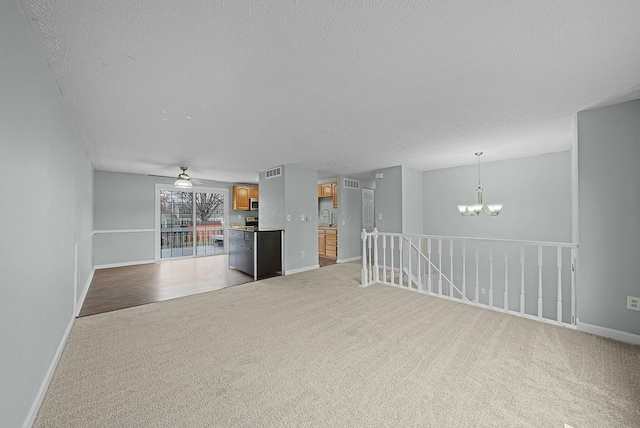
80,302
33,412
111,265
352,259
622,336
124,231
303,269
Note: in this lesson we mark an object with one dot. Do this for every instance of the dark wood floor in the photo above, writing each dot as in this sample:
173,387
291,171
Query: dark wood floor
124,287
128,286
325,261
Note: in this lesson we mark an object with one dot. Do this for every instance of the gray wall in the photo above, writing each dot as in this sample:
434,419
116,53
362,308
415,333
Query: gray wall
535,193
125,203
609,202
294,194
388,200
349,221
50,203
412,201
301,198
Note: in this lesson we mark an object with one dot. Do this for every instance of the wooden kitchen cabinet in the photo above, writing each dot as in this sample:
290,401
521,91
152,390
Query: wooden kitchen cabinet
322,242
325,190
334,192
328,243
331,247
241,197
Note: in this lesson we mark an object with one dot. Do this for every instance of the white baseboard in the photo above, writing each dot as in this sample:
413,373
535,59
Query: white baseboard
80,301
304,269
622,336
141,262
33,412
352,259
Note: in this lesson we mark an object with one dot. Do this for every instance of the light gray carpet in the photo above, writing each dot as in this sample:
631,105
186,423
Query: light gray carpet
316,350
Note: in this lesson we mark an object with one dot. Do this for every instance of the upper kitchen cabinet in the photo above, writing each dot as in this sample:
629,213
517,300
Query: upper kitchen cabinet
242,196
329,190
334,193
325,190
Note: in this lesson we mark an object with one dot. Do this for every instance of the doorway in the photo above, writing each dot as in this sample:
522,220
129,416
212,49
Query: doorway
190,222
368,215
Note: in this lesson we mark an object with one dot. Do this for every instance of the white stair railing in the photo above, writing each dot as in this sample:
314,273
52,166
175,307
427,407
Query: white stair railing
530,279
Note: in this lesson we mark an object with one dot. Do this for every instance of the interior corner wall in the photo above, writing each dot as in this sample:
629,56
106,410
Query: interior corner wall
45,256
609,202
412,201
301,200
349,221
388,200
535,193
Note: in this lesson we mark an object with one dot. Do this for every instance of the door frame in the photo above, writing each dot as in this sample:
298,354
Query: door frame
194,189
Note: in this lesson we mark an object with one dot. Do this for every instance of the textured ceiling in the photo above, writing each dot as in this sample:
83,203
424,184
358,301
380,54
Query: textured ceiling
233,87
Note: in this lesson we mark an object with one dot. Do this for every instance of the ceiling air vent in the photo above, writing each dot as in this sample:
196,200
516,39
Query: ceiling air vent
351,184
273,172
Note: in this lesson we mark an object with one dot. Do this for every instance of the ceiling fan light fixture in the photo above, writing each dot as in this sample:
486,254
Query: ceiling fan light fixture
183,180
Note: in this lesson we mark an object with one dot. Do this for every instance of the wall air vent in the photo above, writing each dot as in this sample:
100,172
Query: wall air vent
351,184
273,172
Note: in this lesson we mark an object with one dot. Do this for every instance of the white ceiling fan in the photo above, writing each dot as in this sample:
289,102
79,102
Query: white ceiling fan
183,180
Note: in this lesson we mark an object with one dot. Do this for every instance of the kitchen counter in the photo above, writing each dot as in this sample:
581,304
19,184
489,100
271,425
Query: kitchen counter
257,252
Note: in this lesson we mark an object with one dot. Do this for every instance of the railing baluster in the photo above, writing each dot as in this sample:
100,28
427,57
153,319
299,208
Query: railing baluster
451,268
392,272
384,258
440,267
429,284
491,276
464,270
506,278
370,258
559,263
420,285
376,271
539,281
573,286
477,294
400,249
365,280
522,279
409,256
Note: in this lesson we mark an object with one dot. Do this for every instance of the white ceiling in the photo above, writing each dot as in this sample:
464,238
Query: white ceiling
233,87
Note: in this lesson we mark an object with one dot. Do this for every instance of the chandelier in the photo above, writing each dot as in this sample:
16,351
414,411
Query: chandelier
477,208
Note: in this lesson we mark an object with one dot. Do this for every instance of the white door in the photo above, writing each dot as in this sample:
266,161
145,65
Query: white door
367,209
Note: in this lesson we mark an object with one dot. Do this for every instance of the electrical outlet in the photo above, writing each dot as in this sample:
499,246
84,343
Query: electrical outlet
288,217
343,222
239,216
302,253
379,216
301,217
483,291
633,303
